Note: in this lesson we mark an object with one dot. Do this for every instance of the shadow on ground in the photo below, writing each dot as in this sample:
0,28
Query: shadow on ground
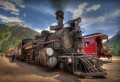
22,68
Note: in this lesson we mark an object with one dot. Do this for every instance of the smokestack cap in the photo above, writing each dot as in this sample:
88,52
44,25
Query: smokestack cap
59,14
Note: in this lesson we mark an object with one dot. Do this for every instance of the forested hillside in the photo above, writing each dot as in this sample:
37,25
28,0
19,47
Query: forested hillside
11,36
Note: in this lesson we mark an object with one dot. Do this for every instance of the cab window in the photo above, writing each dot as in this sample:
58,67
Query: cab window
87,43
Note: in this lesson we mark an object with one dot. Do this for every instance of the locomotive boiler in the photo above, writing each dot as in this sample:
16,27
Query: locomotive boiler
59,49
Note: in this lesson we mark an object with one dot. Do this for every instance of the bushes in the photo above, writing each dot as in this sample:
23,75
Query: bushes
115,49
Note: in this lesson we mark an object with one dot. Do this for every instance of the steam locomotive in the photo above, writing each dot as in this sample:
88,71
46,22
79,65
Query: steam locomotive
59,49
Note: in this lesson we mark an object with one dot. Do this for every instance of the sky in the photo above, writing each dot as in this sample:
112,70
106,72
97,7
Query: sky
97,15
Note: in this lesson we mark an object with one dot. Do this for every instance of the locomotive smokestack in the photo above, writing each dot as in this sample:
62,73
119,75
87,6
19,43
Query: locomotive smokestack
60,17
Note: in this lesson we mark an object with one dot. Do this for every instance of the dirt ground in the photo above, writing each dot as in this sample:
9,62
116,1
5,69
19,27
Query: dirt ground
22,72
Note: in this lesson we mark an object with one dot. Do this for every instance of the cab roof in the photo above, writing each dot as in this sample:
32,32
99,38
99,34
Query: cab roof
103,36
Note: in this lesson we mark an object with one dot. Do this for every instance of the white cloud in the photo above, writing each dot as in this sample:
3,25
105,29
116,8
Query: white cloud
10,5
115,13
81,9
9,19
6,5
18,2
38,30
15,13
48,28
93,8
54,24
44,10
100,21
22,6
87,22
110,36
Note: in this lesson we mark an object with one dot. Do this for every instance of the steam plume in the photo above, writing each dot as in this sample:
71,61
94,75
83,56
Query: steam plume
58,4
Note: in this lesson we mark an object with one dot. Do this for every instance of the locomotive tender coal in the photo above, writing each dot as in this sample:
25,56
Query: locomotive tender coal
59,50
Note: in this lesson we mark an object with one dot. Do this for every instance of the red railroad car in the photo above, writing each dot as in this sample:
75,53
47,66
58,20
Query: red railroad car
93,45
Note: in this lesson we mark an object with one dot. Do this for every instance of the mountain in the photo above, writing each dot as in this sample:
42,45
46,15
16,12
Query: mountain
12,33
114,43
115,39
17,24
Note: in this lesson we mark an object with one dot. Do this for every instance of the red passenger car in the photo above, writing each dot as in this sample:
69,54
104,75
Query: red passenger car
93,45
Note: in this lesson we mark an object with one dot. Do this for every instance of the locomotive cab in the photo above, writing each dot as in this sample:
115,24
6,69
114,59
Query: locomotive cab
94,45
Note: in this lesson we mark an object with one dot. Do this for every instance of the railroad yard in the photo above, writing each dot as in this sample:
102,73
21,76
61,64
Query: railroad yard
23,72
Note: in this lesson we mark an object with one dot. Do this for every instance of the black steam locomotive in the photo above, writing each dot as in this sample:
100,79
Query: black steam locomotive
59,49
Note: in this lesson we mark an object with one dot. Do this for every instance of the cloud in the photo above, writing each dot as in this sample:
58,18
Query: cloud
81,9
20,3
44,10
6,5
9,19
9,5
54,24
115,13
105,22
99,21
48,28
110,36
38,30
93,8
86,22
15,13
